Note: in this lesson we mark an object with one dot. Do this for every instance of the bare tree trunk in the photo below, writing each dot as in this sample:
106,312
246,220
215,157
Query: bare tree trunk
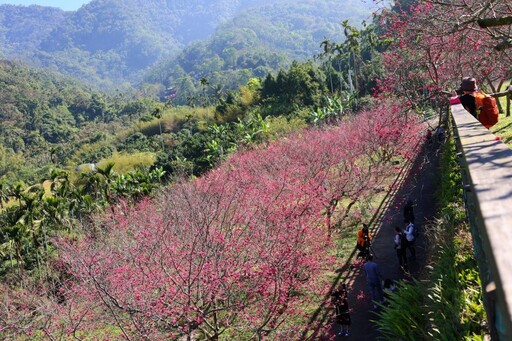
508,105
491,22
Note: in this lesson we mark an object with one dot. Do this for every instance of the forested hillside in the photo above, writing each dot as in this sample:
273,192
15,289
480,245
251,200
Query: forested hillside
257,41
46,119
110,42
23,28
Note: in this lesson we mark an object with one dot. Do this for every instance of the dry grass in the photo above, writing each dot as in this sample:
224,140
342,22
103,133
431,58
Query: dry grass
124,163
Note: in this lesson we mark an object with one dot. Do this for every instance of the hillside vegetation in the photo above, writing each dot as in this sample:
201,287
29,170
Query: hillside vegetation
41,115
211,212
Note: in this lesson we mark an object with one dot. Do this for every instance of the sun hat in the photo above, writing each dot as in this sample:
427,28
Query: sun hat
468,84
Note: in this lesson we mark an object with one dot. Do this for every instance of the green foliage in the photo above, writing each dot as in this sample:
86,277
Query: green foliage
456,299
449,191
353,65
137,142
403,317
57,125
10,163
253,130
303,85
140,107
48,208
237,104
48,121
335,108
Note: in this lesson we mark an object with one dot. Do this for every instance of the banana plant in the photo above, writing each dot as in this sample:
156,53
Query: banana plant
214,152
252,129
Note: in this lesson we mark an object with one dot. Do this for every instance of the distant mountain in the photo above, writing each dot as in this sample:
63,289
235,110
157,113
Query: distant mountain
110,42
258,40
23,28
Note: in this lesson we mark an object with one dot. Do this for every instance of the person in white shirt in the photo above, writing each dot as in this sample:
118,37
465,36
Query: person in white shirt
400,247
409,234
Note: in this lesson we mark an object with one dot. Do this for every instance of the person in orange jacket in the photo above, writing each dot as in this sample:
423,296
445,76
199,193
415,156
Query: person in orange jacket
479,104
364,238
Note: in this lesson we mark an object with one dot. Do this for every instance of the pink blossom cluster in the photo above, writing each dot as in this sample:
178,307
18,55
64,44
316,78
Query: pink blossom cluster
435,44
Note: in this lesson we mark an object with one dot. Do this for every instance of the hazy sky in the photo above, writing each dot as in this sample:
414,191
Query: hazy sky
68,5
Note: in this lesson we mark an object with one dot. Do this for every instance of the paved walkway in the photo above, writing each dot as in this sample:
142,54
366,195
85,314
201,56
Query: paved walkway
419,185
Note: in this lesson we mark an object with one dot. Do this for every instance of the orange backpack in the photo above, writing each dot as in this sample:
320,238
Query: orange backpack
489,112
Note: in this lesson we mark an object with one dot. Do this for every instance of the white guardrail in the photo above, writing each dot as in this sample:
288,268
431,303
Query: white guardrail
486,165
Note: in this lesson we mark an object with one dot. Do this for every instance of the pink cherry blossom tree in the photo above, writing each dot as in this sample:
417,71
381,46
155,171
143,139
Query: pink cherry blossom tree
237,253
436,43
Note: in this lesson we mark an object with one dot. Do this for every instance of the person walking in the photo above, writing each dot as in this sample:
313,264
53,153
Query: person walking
364,239
374,278
409,211
400,247
411,238
341,309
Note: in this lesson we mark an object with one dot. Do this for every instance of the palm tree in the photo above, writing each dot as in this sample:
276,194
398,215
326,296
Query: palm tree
8,248
14,233
328,48
204,85
17,192
158,114
53,152
31,213
107,175
5,191
28,221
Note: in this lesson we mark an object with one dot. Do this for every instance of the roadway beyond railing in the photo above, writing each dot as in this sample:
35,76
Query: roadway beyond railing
486,166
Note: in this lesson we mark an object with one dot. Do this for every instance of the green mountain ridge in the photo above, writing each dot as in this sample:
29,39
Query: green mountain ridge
113,42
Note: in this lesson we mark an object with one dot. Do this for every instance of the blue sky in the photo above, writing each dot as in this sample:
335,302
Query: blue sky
68,5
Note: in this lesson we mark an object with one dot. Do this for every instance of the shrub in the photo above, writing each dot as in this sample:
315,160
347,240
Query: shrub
124,163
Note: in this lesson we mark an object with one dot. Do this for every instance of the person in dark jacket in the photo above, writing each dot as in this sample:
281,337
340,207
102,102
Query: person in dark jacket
388,289
341,309
409,211
374,278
